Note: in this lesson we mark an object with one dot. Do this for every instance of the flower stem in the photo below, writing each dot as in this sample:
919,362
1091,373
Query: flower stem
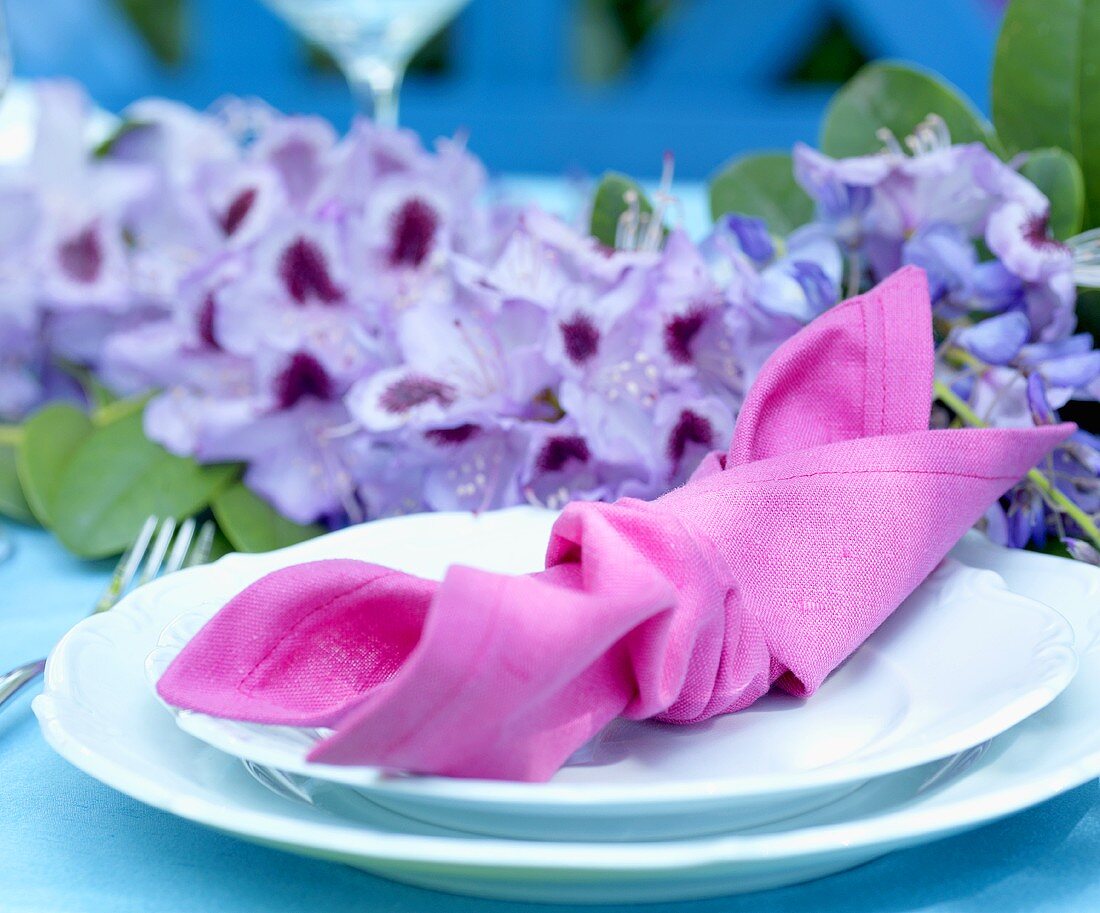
119,409
853,275
957,405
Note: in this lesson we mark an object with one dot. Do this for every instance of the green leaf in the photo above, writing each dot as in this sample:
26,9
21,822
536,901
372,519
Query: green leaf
1057,174
162,24
897,96
1051,547
1088,312
12,502
220,546
609,203
602,50
762,185
117,478
1046,83
50,438
118,409
253,525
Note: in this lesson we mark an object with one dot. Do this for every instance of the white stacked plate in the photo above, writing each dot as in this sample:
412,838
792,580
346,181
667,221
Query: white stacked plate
976,699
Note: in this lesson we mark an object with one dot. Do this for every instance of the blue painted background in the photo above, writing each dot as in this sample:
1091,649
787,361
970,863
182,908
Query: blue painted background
706,84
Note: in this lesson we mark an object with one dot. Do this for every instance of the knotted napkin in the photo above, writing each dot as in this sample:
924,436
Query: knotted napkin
769,567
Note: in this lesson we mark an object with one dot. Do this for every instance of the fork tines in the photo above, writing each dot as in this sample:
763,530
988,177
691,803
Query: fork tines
159,548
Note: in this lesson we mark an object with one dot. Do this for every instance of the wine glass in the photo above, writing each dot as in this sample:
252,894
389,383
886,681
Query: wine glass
372,41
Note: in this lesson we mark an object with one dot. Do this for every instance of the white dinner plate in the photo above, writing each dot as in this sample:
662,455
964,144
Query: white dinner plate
961,661
97,712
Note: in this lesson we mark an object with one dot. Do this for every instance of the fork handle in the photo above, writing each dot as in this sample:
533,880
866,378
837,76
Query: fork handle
12,682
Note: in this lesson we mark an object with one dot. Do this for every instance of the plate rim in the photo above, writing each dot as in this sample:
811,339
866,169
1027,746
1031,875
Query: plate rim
891,830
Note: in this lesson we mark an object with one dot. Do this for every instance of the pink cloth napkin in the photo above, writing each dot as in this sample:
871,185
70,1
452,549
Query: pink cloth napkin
769,567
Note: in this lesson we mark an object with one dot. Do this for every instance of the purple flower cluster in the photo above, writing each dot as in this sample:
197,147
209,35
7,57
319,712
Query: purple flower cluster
358,322
355,321
66,278
929,209
1002,287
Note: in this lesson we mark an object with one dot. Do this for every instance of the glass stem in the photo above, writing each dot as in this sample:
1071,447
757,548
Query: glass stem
376,85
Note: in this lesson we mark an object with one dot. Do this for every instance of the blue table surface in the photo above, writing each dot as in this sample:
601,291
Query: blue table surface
68,843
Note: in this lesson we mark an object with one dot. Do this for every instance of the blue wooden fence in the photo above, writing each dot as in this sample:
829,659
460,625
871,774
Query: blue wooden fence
706,84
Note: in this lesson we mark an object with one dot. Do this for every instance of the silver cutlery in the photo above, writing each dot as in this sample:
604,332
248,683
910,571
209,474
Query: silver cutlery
160,548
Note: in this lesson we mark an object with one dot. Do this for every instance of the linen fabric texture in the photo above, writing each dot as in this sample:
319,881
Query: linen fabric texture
769,567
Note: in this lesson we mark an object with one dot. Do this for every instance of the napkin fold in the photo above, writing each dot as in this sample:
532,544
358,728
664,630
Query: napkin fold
769,567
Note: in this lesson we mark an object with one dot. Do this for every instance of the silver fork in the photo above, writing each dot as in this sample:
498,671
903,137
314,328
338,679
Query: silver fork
158,549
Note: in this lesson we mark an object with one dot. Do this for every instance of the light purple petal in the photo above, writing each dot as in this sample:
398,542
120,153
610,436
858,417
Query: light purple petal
947,256
995,288
997,340
749,234
1021,240
1037,401
1074,371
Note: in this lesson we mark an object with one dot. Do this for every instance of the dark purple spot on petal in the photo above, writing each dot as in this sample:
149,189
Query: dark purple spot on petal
557,451
691,428
680,331
414,227
450,437
1037,234
415,390
581,338
305,273
206,322
81,256
238,210
303,376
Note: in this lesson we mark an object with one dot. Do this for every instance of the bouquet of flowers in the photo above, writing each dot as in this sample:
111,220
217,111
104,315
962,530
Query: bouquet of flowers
242,312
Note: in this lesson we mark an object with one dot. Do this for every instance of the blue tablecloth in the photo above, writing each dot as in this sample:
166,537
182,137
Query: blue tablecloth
68,843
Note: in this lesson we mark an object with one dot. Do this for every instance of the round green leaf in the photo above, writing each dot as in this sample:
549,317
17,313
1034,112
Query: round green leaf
762,185
12,502
1046,83
117,478
1057,174
50,438
896,96
253,525
609,202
